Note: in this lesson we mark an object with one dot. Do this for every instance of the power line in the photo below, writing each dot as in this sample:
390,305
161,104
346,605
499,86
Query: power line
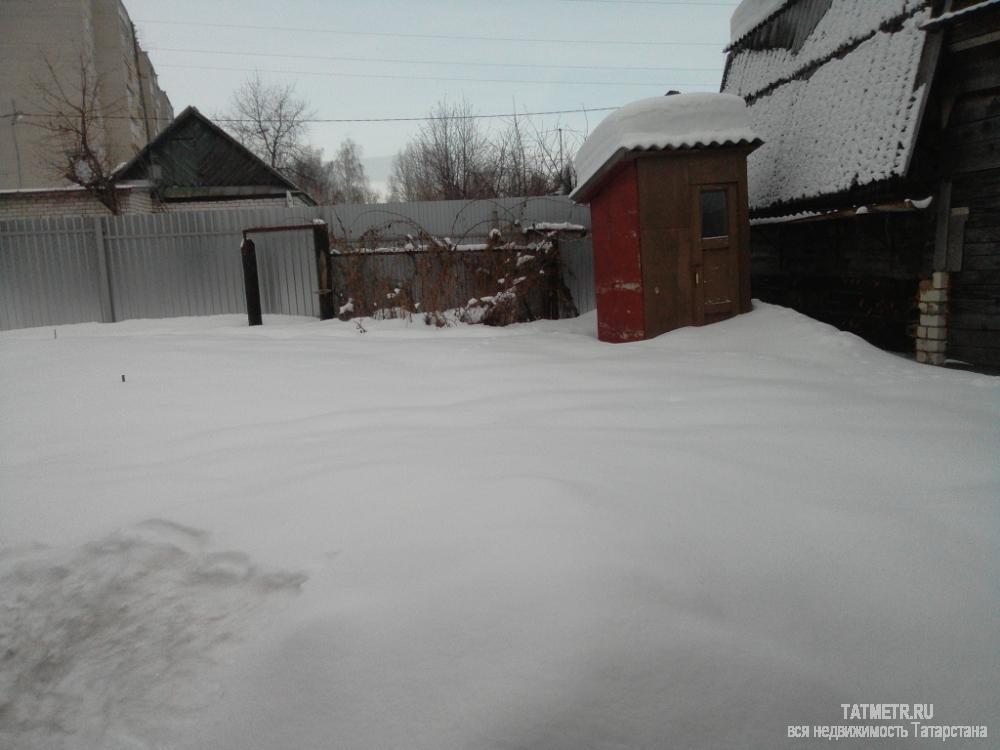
313,120
452,63
451,37
438,78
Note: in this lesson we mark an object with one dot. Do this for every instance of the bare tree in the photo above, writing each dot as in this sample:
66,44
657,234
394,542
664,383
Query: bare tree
449,158
270,121
453,157
340,180
315,175
71,116
349,175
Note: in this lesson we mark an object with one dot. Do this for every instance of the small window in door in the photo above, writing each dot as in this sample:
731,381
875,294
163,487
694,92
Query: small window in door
714,216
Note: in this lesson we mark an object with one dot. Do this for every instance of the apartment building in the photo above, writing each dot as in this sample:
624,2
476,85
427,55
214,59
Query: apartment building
97,35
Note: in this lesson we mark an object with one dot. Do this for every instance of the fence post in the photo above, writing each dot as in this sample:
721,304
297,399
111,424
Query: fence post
251,283
321,246
103,273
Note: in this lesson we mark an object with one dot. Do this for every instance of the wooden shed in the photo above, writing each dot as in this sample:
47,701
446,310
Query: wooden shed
875,200
666,180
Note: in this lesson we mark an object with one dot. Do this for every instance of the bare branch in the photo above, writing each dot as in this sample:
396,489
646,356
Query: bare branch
70,101
453,157
270,121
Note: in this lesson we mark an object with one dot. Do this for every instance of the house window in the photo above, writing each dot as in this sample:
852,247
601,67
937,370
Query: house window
714,216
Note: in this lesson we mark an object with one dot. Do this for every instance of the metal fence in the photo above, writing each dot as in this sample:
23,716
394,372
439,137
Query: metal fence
108,268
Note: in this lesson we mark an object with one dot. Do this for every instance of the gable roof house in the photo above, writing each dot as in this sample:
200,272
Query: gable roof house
191,165
875,198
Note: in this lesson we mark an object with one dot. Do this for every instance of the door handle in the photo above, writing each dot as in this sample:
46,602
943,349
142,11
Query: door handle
697,278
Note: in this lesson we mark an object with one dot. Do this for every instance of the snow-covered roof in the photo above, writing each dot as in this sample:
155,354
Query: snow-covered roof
750,14
663,122
833,92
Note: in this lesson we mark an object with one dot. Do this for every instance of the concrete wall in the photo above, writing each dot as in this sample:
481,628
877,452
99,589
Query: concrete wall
64,32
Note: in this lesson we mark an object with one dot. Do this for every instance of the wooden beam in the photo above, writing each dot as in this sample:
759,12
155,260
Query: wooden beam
976,41
941,230
285,228
321,246
228,191
956,237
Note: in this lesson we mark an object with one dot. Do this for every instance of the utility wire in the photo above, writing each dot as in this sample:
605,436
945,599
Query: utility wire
452,63
519,81
312,120
450,37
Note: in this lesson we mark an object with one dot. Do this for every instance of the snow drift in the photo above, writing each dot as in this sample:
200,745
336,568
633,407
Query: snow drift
300,536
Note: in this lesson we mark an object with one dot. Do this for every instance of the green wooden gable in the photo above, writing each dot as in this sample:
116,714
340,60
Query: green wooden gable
193,158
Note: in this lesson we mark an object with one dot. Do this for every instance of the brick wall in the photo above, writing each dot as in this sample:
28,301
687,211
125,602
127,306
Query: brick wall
40,203
23,205
175,206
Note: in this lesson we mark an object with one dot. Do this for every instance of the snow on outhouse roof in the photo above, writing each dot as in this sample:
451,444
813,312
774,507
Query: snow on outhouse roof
678,121
832,87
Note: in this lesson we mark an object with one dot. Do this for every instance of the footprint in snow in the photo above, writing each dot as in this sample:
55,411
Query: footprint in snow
109,643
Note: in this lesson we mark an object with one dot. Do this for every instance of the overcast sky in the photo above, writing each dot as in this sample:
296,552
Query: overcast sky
393,58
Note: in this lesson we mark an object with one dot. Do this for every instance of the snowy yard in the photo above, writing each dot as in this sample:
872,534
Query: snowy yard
299,536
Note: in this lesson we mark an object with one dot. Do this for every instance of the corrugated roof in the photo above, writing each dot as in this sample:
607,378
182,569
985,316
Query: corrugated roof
832,88
750,14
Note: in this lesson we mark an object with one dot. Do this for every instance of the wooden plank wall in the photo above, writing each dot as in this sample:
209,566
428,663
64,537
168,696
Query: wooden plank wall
617,260
668,189
859,274
971,138
974,312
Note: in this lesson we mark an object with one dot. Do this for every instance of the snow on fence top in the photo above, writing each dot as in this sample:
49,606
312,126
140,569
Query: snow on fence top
834,94
663,122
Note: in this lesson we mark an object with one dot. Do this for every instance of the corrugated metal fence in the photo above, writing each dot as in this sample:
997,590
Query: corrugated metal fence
78,269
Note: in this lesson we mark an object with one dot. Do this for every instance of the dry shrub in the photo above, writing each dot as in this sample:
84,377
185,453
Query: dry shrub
499,283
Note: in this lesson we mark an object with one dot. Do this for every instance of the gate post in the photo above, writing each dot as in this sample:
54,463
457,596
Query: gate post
321,244
251,283
103,274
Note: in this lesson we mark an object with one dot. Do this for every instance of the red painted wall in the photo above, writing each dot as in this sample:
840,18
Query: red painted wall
614,215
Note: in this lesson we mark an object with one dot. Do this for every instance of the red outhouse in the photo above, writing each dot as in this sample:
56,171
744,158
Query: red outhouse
666,180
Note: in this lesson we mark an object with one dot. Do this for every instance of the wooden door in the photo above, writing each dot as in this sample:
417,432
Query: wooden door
715,253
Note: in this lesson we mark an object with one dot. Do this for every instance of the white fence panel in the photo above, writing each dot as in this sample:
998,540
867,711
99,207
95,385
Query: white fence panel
49,272
78,269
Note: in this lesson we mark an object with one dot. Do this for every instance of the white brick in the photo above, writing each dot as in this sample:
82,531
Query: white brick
931,358
940,279
936,321
934,295
926,345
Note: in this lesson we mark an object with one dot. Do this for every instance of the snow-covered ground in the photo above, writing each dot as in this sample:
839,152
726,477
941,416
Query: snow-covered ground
299,536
